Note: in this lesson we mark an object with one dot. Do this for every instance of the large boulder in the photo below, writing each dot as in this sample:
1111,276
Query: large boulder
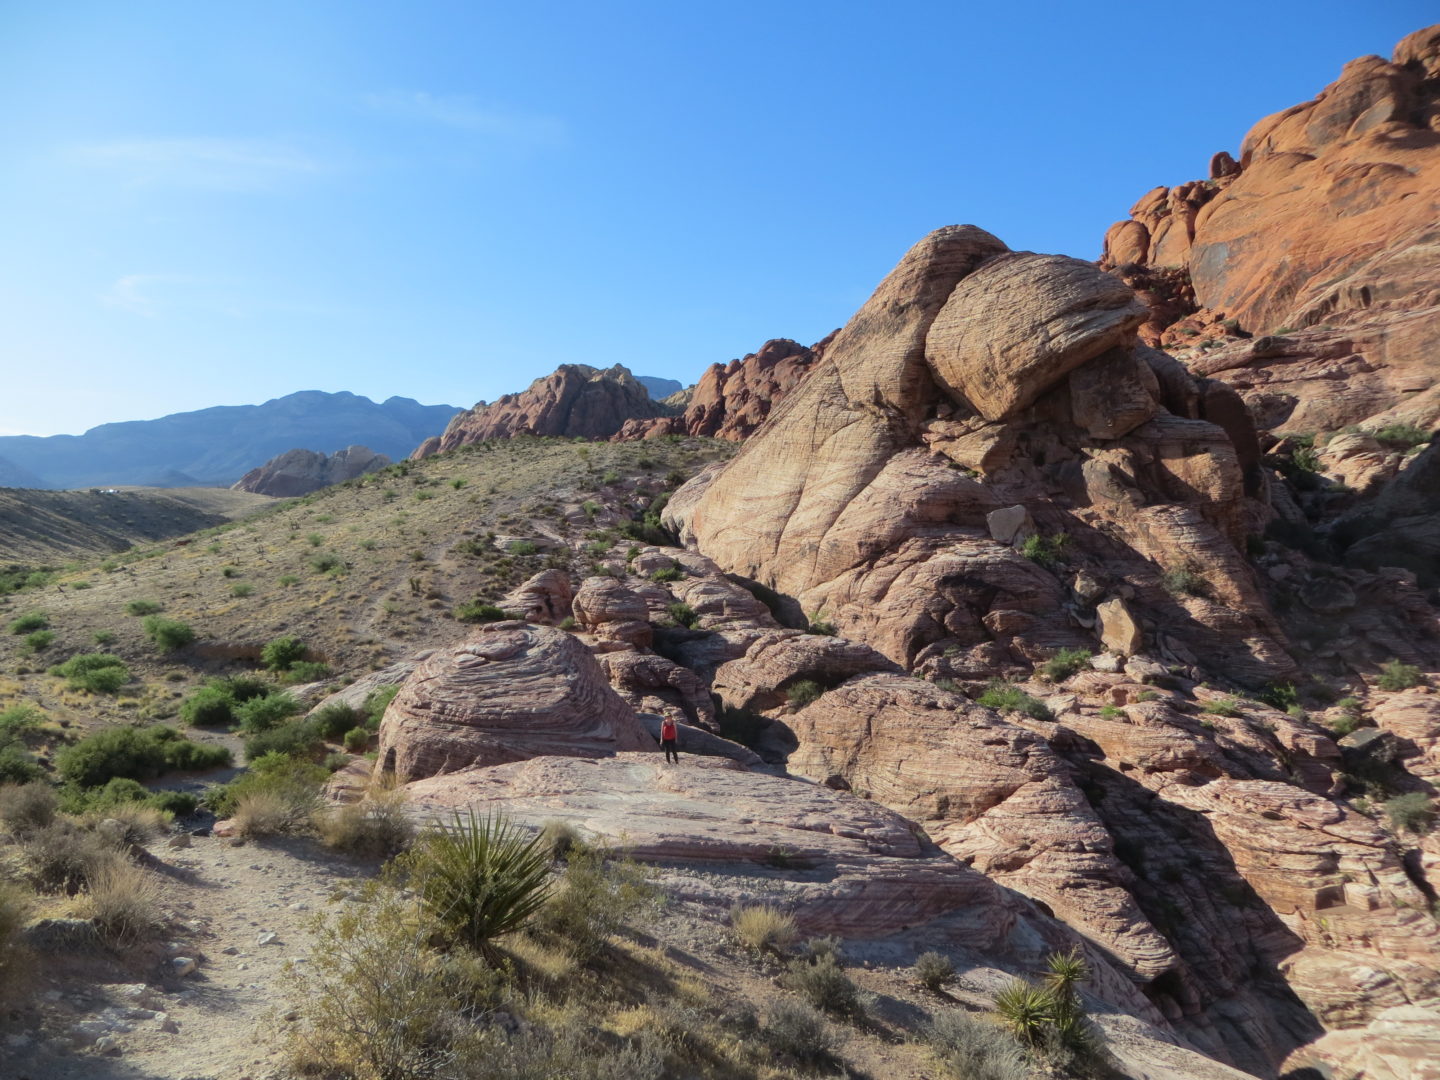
299,472
510,691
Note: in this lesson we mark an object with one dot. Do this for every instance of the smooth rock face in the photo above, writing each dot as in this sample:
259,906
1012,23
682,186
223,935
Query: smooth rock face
1401,1043
608,609
576,400
1019,322
509,692
543,598
299,472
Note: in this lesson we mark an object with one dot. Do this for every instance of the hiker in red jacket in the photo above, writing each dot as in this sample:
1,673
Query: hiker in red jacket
668,734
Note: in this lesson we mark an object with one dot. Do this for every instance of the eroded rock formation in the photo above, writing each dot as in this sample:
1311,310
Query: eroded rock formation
299,472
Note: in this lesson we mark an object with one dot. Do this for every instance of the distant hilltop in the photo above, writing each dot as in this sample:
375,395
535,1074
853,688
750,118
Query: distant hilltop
217,446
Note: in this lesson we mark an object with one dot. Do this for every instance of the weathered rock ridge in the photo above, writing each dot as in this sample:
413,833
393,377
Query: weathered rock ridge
574,401
731,400
1318,243
299,472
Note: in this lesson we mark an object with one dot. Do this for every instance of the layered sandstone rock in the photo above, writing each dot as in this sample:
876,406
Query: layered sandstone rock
576,400
509,692
299,472
860,496
1321,234
731,400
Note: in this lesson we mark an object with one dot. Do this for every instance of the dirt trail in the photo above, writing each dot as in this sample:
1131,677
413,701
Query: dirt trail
217,1023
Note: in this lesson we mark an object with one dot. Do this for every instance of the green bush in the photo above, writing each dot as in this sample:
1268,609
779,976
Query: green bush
682,614
1398,676
244,687
122,791
595,898
1183,582
209,706
95,673
934,970
1003,697
296,739
1065,663
280,653
143,607
376,702
306,671
294,784
1352,717
1046,551
242,590
798,1031
34,620
333,720
18,765
357,739
1224,707
328,563
262,713
103,637
822,982
27,806
668,573
1412,811
167,634
480,878
1401,436
522,547
140,754
802,693
973,1050
822,627
477,612
39,640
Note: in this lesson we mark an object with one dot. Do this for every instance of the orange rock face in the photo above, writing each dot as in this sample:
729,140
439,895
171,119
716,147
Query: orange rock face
1327,220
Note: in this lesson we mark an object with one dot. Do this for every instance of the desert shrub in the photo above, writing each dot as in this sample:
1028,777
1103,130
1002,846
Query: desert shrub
376,826
762,928
1065,663
95,673
242,590
103,637
27,806
480,878
15,905
1046,551
376,702
19,719
682,614
314,539
1412,811
209,706
266,813
1050,1018
1004,697
378,1003
1398,676
30,621
1352,717
260,713
477,612
1112,712
62,857
1183,582
1282,696
1401,436
971,1049
306,671
279,654
143,607
802,693
39,640
297,783
1223,707
595,898
822,982
244,687
17,764
137,753
934,970
798,1031
668,573
167,634
124,901
522,547
1026,1011
328,563
287,580
822,627
297,739
357,739
335,719
559,838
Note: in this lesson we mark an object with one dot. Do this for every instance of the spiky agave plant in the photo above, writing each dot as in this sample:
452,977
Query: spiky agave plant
1028,1011
481,877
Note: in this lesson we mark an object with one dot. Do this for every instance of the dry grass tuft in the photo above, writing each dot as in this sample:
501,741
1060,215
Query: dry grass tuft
124,901
376,826
266,813
762,928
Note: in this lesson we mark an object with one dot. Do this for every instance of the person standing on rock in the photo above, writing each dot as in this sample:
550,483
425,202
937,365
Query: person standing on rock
669,732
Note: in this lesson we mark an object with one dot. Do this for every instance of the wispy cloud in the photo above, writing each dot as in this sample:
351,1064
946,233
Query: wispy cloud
464,113
135,293
215,163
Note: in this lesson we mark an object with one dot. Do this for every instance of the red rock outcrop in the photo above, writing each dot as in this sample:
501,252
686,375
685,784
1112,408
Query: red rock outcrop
731,400
509,692
574,401
299,472
1321,235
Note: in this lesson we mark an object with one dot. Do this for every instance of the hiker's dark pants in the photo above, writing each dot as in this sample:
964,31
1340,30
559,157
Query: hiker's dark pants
671,751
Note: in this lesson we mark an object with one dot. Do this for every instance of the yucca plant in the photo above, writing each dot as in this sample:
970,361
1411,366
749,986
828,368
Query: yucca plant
481,878
1026,1010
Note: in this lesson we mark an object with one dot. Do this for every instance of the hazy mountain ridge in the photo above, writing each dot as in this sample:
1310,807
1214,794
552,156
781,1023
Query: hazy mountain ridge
218,445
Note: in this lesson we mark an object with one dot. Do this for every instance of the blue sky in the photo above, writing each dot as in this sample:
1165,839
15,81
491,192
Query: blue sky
208,204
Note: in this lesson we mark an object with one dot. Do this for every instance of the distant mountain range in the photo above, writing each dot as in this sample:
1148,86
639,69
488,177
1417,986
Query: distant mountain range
659,388
219,445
